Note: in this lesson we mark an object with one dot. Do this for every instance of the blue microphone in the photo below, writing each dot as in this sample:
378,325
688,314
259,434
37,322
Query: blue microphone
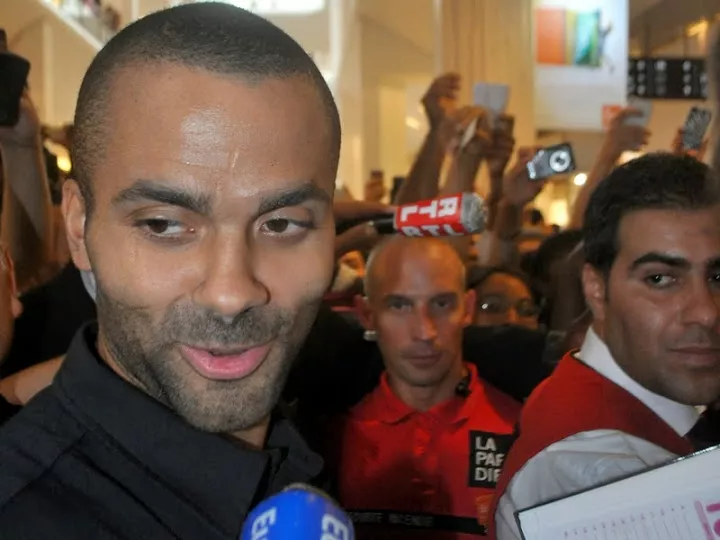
299,512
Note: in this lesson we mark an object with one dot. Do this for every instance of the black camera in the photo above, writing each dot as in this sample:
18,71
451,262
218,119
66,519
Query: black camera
550,161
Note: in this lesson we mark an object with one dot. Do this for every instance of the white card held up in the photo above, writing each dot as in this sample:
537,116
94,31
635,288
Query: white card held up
493,97
676,501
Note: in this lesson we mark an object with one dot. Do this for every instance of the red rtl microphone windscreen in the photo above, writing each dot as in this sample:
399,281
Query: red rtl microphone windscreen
454,215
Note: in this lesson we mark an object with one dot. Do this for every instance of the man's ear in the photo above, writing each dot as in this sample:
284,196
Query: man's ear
595,291
74,212
362,307
470,301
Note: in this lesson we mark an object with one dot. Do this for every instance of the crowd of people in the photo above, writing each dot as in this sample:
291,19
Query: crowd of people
192,320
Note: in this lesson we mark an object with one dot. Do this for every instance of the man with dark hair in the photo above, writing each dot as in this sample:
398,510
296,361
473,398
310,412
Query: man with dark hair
627,400
206,148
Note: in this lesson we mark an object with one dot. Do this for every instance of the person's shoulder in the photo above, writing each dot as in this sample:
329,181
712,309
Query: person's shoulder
32,441
503,403
7,410
368,408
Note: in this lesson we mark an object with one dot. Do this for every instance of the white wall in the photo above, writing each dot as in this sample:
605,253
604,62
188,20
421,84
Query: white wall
58,55
145,7
30,44
392,68
345,64
69,59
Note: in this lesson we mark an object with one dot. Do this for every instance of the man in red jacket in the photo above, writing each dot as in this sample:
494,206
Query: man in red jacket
628,398
421,454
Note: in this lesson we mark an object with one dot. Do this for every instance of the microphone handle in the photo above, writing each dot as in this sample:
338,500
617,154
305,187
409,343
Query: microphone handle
385,225
345,224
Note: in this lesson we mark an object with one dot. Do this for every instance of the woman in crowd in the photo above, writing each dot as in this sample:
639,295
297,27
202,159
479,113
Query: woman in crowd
504,297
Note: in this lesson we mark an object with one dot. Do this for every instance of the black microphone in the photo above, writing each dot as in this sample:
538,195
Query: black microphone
463,387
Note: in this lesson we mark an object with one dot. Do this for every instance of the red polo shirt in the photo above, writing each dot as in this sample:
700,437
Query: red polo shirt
409,474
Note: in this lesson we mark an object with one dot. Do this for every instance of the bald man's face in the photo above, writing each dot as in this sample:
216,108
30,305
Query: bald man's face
419,307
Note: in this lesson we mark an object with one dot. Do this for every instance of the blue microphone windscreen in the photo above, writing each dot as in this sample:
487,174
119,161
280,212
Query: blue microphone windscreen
298,513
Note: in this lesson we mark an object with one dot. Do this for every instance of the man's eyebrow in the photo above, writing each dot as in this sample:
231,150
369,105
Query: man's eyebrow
153,191
448,295
714,263
392,297
293,197
661,258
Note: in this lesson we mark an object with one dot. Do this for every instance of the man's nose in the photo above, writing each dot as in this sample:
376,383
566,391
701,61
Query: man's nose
702,304
425,328
512,316
230,285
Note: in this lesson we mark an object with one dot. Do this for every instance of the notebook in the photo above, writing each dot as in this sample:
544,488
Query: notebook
676,501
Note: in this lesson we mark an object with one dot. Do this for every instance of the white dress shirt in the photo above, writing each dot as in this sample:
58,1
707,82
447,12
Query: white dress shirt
593,457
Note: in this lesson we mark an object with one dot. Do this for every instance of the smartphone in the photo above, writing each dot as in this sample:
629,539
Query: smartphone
644,106
695,128
13,79
557,159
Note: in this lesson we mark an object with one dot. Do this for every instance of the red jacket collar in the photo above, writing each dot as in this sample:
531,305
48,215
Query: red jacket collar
383,405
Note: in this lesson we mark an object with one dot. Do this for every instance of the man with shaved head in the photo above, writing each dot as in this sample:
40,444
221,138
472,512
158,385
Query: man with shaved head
205,155
424,449
423,352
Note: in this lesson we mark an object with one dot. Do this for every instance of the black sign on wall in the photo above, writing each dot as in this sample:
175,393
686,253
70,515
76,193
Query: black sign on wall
667,78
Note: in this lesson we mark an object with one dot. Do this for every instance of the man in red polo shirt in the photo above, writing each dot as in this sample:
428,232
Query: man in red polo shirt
627,400
421,454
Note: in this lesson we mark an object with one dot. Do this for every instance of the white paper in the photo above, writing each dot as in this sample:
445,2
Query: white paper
679,501
492,97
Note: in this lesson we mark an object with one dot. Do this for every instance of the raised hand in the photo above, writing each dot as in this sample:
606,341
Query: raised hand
441,98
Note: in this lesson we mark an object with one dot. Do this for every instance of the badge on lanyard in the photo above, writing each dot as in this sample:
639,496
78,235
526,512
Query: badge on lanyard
487,455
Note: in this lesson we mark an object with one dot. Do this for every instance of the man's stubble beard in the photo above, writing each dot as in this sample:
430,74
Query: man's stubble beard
146,353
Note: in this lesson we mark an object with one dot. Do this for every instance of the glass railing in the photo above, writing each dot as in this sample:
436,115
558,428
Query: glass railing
102,22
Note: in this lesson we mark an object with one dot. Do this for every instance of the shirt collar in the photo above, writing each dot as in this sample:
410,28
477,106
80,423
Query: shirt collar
88,279
595,354
384,405
216,473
